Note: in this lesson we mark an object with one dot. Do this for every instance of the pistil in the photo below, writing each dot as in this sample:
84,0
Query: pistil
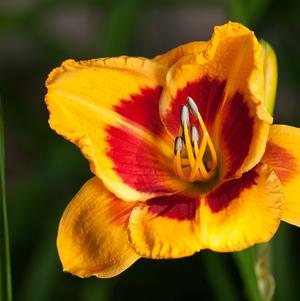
195,157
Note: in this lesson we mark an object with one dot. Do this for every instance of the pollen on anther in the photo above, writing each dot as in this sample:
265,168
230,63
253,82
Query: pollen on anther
195,134
178,144
192,106
184,116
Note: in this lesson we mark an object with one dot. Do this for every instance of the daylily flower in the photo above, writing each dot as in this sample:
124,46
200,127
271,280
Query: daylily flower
183,151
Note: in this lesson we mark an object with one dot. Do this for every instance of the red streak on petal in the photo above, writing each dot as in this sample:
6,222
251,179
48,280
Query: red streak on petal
223,195
177,207
136,161
119,212
208,95
142,109
236,133
283,162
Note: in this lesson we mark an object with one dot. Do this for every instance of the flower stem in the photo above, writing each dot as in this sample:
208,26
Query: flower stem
5,278
245,261
222,284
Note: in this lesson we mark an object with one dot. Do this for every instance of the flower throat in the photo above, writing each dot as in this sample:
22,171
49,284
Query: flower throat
195,157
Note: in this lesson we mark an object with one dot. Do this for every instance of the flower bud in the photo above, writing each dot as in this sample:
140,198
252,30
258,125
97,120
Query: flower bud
270,75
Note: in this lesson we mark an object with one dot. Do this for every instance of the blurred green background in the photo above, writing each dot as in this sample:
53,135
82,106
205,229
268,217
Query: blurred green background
44,171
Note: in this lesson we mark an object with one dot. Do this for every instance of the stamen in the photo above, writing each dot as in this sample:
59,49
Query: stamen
184,116
195,135
195,139
188,144
192,106
178,144
178,167
198,161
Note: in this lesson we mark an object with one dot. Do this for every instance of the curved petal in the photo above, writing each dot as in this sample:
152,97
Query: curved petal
172,56
283,156
242,212
226,82
109,109
92,236
165,227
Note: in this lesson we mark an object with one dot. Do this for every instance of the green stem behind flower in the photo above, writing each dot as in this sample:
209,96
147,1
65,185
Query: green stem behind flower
245,261
5,278
219,276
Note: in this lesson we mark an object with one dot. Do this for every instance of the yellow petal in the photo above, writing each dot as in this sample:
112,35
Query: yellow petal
165,227
283,155
242,212
109,109
235,215
172,56
227,83
92,236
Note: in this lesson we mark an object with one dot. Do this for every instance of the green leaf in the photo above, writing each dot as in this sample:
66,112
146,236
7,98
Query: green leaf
5,278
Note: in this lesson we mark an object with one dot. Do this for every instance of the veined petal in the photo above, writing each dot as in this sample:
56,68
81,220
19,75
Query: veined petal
227,83
171,57
165,227
92,236
242,212
109,109
283,156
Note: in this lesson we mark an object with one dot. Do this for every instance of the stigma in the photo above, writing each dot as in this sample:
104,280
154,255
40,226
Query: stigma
195,157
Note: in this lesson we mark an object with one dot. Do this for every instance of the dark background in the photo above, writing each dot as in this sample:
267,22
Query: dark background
44,171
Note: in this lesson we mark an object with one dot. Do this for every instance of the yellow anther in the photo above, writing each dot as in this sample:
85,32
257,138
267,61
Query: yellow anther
200,160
